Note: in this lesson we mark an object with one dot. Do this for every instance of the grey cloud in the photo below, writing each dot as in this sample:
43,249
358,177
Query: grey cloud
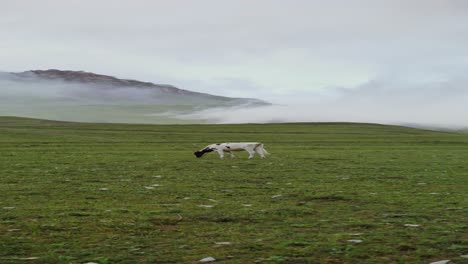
212,30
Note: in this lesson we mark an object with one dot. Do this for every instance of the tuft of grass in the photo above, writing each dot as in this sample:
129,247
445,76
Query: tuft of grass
76,193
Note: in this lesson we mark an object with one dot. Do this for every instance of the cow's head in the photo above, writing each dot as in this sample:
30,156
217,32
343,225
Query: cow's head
200,153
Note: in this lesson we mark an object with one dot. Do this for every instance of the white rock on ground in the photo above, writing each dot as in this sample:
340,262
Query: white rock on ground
464,256
208,259
441,262
355,241
412,225
277,196
223,243
205,205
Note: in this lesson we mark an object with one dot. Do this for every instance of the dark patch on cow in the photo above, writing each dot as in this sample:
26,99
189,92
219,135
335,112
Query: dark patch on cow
218,144
228,147
208,150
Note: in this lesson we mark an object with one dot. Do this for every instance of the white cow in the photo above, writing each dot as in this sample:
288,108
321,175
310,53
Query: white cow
221,148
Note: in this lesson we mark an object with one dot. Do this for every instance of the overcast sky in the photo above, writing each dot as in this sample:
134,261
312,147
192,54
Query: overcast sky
272,49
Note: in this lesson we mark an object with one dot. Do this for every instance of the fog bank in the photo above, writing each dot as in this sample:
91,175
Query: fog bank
438,104
419,101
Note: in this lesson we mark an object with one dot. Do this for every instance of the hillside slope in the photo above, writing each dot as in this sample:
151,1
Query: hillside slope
90,97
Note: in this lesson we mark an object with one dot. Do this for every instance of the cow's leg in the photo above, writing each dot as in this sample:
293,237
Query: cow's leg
260,152
221,153
232,154
251,152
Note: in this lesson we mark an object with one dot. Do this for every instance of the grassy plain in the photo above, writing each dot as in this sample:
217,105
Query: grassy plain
115,193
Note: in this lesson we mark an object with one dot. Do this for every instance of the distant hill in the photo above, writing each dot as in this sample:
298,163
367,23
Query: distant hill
86,96
103,81
160,92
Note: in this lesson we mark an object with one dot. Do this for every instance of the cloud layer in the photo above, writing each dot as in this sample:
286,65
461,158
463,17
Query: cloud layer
440,104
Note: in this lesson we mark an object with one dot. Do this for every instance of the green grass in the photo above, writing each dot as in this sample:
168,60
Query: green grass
337,182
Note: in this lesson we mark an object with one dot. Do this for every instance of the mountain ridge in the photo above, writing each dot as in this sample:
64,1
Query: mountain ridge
89,97
108,81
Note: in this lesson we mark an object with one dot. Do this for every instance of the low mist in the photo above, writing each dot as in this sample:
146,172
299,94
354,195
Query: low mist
435,104
441,104
30,96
